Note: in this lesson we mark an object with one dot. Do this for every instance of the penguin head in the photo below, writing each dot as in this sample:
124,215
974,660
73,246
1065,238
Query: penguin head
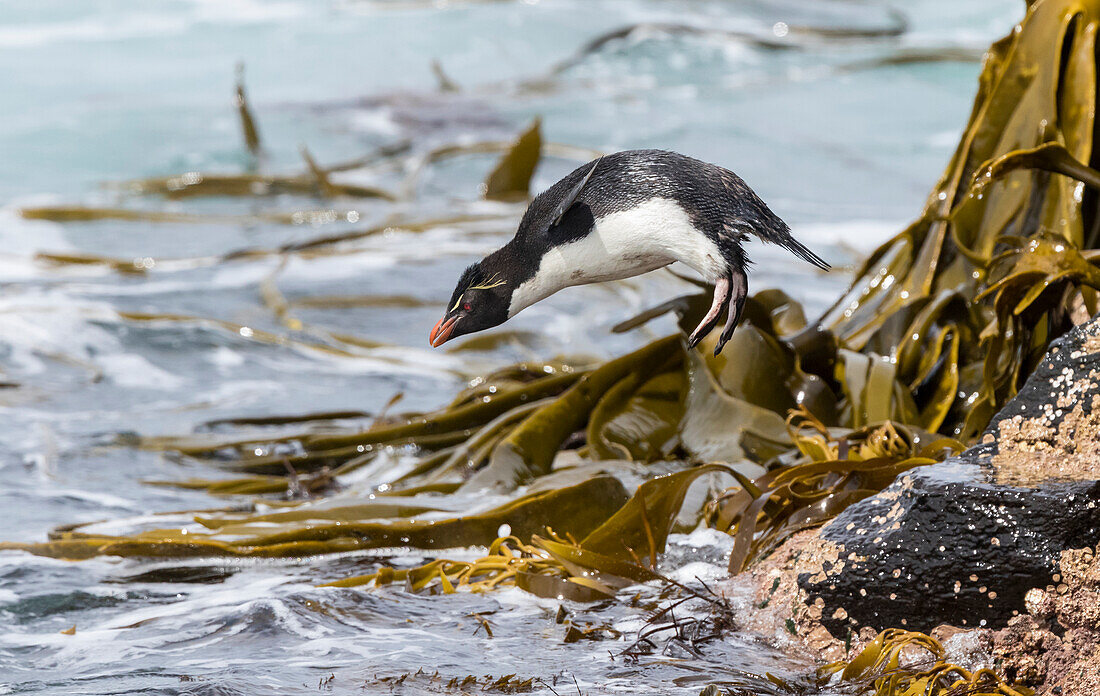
480,301
485,295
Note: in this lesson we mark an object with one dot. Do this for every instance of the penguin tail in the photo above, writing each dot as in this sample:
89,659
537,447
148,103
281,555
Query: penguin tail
798,249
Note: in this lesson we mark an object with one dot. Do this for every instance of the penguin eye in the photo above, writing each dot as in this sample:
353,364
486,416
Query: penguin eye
467,307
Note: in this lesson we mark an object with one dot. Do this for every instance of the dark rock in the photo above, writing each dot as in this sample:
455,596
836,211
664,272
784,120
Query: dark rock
960,542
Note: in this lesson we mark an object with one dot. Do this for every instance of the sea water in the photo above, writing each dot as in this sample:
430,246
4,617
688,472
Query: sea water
838,131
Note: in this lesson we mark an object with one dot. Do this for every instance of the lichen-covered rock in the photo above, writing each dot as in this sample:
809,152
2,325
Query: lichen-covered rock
963,542
1057,643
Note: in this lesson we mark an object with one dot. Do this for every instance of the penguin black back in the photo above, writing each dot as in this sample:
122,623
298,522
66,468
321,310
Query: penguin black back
713,197
622,215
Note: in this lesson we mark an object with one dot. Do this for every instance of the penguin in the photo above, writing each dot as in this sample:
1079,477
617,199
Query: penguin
619,216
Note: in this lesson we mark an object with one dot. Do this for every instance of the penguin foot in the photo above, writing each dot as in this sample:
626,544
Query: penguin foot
740,292
720,301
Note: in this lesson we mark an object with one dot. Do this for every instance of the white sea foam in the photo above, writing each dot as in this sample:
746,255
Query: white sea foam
132,370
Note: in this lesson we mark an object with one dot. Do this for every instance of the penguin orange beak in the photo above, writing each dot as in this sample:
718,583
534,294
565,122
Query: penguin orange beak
442,330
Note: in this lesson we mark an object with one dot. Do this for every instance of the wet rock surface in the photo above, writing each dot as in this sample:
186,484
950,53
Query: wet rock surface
963,542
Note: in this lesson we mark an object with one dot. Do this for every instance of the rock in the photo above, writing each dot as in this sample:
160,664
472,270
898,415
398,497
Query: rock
1057,644
963,542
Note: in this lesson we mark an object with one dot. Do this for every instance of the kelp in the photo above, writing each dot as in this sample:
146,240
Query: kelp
937,330
971,293
437,683
582,507
511,178
135,266
354,301
621,551
443,81
71,213
907,663
528,450
493,398
197,184
249,130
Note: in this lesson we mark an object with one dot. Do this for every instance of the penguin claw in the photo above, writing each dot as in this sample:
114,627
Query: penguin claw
718,303
740,292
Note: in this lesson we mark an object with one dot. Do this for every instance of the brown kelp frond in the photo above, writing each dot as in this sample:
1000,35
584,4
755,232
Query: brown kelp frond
580,508
1019,176
528,451
434,682
352,301
134,266
818,443
620,539
195,184
621,551
907,663
508,562
491,409
248,123
76,213
318,246
505,431
511,178
1050,157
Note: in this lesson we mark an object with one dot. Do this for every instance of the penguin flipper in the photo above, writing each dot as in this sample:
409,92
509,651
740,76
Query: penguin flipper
739,287
721,301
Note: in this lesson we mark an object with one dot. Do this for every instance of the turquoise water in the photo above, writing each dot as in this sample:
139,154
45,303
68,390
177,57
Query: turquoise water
840,138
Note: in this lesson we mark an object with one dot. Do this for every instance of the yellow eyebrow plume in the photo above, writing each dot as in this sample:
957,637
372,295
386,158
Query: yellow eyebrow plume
494,281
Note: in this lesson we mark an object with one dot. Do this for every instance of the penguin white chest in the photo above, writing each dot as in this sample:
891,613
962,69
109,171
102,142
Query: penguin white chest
622,244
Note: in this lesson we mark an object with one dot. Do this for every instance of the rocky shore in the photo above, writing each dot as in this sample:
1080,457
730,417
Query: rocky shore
993,552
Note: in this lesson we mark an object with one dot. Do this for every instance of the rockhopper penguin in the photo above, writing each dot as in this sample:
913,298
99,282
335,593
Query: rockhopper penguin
619,216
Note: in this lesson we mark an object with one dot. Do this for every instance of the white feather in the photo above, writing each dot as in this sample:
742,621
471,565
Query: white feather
620,245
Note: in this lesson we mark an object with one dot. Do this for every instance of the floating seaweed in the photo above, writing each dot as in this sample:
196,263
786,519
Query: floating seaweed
194,184
938,329
93,214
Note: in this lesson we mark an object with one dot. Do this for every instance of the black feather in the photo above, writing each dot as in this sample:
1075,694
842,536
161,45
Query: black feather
796,247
